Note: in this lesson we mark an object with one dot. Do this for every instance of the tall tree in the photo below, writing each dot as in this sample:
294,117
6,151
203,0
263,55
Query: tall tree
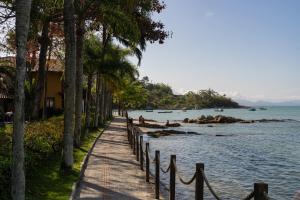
45,12
80,32
44,42
69,84
22,26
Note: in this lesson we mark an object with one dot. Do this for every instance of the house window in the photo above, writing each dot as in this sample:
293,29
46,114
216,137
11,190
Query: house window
50,102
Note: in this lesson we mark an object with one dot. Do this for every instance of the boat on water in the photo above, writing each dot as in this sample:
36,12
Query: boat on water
252,109
149,110
262,108
165,111
219,110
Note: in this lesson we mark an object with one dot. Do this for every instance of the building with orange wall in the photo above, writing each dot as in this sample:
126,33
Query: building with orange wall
54,83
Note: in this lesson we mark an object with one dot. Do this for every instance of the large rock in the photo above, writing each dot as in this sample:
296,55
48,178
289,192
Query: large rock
186,120
192,121
173,125
224,119
247,121
209,118
202,117
157,134
221,119
148,125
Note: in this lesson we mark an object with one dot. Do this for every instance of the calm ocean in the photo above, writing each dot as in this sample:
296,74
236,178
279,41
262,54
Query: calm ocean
268,152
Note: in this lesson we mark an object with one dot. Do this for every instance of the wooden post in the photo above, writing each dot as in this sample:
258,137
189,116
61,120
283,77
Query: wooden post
128,130
137,146
141,153
129,135
172,177
259,190
133,137
199,182
147,162
157,168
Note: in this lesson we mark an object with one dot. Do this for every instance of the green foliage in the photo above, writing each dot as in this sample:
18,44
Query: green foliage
208,99
5,160
44,137
44,179
161,96
47,182
132,94
39,139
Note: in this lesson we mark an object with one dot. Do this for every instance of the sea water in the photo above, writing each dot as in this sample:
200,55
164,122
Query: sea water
247,153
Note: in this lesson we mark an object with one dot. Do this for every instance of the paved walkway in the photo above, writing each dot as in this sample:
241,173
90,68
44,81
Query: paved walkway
112,171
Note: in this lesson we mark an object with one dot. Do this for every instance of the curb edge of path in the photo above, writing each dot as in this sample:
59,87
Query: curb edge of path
84,164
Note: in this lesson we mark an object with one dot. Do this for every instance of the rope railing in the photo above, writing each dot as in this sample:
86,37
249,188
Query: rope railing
143,155
165,171
187,182
209,186
250,196
182,179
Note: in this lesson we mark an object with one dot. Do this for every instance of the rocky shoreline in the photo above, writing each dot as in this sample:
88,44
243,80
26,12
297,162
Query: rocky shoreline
159,133
221,119
209,120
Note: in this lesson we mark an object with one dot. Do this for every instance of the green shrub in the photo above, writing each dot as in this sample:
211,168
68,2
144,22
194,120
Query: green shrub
42,139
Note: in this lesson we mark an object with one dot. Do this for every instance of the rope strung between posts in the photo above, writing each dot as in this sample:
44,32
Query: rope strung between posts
181,179
165,171
150,157
209,186
250,196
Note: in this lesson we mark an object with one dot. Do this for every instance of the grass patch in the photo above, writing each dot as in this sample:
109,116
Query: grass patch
43,145
49,183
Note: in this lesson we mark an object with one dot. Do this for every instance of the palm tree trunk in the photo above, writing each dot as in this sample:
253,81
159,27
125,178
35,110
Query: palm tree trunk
69,86
97,110
44,42
22,26
101,102
111,105
79,76
88,103
107,103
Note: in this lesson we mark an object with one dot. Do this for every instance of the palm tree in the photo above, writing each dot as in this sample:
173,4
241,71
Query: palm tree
113,20
109,70
69,85
22,27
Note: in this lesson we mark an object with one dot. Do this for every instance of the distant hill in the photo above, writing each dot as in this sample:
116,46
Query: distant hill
267,103
161,96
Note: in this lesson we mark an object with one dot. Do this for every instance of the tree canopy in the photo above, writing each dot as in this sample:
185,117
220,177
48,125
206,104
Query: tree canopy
160,95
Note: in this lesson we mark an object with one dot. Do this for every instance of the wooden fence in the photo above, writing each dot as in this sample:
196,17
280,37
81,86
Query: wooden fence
135,138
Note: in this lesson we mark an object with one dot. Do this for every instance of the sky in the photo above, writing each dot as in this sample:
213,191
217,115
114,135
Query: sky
246,49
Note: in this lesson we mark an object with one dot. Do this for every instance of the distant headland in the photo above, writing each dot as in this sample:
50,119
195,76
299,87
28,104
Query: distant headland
161,96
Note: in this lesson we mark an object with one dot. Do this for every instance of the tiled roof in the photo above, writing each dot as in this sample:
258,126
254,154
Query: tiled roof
54,65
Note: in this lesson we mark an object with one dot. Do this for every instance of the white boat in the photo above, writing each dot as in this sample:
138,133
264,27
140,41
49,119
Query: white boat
219,110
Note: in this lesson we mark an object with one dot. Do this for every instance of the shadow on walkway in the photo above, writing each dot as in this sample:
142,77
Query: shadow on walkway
112,171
